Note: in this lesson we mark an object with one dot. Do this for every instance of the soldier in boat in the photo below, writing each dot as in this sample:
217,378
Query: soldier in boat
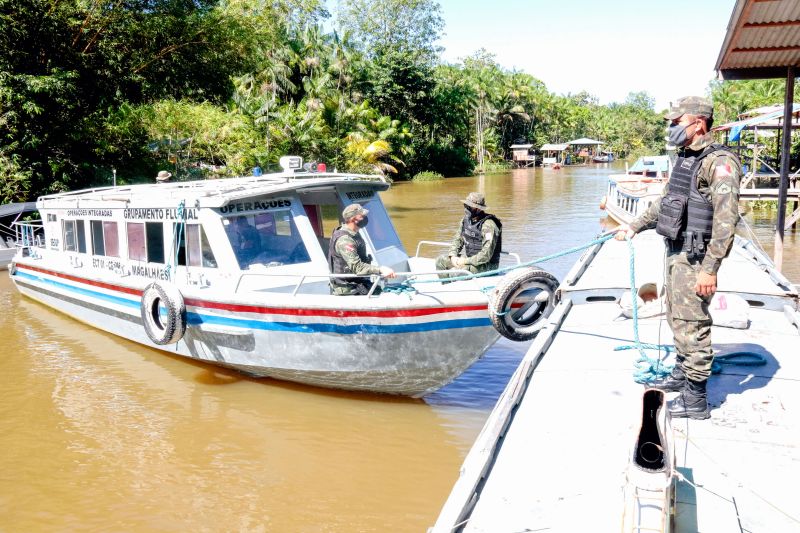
347,254
479,237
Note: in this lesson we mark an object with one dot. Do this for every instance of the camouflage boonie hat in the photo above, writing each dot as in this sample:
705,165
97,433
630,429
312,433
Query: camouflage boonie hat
476,200
691,105
352,210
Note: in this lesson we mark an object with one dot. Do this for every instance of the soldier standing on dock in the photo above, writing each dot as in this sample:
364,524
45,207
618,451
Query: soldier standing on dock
697,215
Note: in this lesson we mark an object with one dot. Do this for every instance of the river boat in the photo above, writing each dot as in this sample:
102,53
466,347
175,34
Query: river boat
9,215
629,195
159,264
603,157
576,444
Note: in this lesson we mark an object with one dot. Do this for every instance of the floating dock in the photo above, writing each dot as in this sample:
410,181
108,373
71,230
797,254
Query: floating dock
554,453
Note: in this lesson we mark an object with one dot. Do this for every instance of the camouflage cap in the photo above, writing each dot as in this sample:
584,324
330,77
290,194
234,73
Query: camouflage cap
352,210
476,200
691,105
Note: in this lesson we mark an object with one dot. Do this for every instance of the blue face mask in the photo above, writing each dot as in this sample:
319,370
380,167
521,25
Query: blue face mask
677,135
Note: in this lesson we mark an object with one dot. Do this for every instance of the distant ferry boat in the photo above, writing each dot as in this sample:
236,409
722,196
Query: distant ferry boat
629,195
158,264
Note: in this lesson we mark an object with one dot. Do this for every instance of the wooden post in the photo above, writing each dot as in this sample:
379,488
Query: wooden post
788,104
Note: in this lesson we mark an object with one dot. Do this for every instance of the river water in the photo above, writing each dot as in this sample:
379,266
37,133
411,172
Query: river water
100,434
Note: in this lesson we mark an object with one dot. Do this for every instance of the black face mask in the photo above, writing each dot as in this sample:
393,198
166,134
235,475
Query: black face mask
677,135
363,222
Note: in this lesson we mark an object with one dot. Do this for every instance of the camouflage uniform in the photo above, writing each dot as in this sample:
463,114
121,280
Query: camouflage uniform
687,312
478,262
347,249
487,257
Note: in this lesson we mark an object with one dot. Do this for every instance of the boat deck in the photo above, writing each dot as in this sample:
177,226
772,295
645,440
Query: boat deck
554,453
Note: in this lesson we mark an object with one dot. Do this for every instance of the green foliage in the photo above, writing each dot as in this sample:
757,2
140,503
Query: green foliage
214,87
427,175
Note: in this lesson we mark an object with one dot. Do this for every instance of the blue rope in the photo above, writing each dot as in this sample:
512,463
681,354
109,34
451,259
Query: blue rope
648,369
502,270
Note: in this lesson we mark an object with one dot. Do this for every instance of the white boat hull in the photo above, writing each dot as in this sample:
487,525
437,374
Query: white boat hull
408,345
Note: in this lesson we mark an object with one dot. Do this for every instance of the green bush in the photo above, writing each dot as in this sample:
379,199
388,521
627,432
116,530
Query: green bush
427,175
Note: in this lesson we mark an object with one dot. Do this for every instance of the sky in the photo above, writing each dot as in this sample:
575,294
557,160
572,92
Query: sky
667,48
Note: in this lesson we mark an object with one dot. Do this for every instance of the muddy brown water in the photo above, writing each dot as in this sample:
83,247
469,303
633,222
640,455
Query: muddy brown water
100,434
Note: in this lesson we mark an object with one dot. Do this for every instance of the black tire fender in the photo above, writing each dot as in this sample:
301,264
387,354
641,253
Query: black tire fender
163,313
521,302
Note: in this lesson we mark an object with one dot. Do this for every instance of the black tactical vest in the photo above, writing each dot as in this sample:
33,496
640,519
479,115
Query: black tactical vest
339,266
686,218
473,237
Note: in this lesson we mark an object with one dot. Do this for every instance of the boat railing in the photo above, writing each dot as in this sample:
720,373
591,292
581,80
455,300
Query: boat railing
29,234
305,277
443,244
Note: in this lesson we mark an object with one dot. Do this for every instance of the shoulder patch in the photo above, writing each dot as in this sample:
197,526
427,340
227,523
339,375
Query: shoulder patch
488,236
724,188
723,170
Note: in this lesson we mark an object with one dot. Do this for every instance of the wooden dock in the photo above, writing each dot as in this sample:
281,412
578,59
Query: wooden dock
554,452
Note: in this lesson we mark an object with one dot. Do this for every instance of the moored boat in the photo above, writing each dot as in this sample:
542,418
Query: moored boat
159,264
629,195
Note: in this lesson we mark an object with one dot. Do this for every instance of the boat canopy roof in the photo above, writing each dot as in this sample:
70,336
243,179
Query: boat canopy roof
521,146
8,210
206,193
771,119
651,163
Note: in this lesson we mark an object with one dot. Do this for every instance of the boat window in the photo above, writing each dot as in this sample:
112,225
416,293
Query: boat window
98,248
68,229
199,252
154,231
111,238
146,241
269,239
81,232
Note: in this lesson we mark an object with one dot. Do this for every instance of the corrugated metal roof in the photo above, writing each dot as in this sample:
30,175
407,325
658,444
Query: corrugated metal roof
771,119
763,39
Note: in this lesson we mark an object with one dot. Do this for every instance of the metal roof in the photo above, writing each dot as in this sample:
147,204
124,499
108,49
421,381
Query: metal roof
770,120
15,209
204,193
763,39
553,147
583,141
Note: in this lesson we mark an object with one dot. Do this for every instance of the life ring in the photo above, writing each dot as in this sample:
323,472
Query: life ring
521,302
163,313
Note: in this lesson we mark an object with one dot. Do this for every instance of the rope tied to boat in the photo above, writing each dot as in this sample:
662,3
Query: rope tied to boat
503,270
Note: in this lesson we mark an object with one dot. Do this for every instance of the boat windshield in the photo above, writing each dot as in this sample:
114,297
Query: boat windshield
269,239
380,229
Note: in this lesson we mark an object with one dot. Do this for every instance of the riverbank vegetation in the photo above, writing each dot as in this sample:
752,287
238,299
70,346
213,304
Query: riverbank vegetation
212,88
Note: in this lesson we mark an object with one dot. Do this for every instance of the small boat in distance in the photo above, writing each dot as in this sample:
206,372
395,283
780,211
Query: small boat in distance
629,195
606,156
162,265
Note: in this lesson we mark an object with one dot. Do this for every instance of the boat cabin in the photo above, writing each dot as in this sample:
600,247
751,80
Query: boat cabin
266,232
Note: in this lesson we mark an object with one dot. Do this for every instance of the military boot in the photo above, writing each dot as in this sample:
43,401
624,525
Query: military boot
674,382
692,403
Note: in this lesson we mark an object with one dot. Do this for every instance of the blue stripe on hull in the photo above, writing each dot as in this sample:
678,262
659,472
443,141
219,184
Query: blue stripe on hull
196,319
